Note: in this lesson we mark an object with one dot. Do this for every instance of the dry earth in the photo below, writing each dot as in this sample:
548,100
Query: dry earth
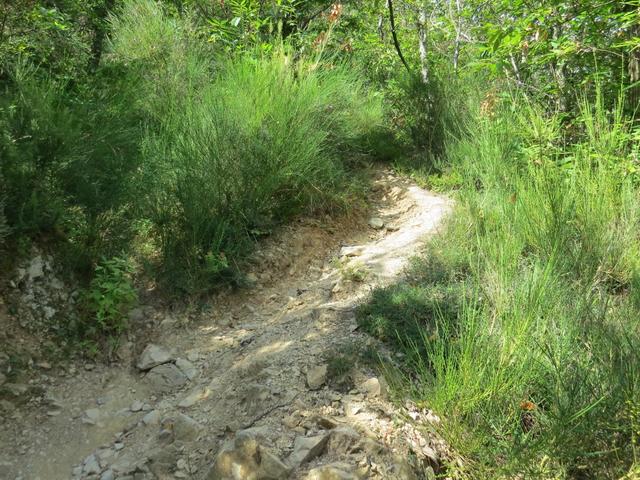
266,383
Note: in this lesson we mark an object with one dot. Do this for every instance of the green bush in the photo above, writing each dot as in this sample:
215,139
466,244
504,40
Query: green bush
235,147
109,297
67,157
521,325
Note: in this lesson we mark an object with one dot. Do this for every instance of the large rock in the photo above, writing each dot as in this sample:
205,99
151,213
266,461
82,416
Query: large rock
307,448
316,377
166,377
248,459
152,356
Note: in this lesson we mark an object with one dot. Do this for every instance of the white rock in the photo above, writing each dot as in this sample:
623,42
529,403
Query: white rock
376,223
104,454
193,356
248,459
36,268
186,428
136,406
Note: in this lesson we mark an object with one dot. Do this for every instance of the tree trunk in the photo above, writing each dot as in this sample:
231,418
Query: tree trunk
99,27
458,27
422,43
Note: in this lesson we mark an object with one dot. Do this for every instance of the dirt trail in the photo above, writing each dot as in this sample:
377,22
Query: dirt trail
245,388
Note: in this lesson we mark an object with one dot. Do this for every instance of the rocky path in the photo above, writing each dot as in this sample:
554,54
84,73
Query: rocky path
268,383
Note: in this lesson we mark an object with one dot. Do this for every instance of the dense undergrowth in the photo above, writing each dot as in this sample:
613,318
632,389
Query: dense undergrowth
174,158
520,320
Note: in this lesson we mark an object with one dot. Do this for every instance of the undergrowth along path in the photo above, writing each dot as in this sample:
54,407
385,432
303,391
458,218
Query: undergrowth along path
270,382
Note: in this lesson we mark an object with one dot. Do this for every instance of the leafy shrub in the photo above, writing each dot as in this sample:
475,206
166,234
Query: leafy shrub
110,295
34,126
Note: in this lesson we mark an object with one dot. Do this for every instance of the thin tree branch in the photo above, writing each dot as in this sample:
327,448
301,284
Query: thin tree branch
396,43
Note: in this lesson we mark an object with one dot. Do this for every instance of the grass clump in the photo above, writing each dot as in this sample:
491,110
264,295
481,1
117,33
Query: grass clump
520,324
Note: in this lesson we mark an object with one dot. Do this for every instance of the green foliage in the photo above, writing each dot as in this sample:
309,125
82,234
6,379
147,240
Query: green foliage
67,162
168,152
110,295
60,37
221,158
520,324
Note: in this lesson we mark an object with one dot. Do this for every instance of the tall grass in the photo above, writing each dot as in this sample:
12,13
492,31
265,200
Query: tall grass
236,146
521,322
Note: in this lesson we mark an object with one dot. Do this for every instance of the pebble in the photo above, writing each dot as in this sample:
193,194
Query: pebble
136,406
136,315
